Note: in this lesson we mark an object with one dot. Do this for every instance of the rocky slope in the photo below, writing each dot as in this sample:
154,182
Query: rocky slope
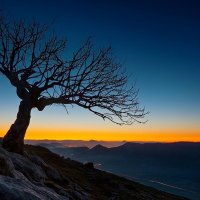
41,174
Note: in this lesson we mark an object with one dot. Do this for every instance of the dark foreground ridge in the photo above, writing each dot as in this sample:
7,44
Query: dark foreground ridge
41,174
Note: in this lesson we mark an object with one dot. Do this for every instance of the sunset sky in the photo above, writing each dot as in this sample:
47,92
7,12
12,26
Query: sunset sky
158,43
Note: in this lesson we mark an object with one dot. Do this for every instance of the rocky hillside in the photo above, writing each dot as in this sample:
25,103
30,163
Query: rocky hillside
42,175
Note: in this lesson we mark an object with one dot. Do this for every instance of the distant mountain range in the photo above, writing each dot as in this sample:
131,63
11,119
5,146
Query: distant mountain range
75,143
172,167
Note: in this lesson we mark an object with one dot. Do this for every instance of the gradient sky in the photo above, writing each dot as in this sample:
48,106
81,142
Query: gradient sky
158,43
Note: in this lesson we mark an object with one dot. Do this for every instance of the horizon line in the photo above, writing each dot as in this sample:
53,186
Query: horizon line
135,141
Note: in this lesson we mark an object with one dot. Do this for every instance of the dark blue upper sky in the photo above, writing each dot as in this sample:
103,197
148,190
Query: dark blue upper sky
158,42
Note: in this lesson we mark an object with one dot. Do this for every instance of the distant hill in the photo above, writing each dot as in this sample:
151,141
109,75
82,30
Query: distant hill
41,174
172,167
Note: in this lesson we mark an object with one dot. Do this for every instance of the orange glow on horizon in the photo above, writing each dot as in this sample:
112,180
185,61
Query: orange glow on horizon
146,135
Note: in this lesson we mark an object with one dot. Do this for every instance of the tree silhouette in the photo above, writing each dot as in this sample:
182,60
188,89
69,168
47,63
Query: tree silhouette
36,65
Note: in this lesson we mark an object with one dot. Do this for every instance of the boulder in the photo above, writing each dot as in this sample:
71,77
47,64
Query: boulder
53,174
89,165
6,166
28,168
17,189
38,161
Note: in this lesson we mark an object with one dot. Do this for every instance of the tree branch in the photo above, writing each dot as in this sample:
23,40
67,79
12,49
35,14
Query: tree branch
36,64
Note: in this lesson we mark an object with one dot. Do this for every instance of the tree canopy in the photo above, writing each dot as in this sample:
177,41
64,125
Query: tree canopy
35,62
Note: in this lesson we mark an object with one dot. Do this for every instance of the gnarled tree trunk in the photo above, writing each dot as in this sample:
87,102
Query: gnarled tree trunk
14,139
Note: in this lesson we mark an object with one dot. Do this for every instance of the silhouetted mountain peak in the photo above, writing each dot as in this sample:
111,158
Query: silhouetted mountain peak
99,147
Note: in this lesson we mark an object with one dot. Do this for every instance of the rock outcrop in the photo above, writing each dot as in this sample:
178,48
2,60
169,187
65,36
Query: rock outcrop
30,178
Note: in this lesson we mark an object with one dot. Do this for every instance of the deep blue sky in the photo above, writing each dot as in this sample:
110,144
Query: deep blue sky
158,42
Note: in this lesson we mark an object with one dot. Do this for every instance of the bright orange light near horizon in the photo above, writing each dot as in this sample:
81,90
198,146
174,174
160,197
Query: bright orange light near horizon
148,136
145,135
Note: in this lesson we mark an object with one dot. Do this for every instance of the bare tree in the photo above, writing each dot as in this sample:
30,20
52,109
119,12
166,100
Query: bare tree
36,65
